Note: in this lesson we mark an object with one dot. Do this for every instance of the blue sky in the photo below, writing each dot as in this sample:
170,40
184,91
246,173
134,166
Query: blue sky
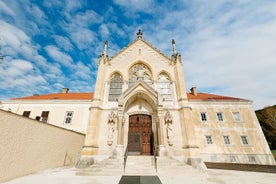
228,47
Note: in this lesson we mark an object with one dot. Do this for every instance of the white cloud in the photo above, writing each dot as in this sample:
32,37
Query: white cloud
83,37
5,9
136,5
63,42
58,56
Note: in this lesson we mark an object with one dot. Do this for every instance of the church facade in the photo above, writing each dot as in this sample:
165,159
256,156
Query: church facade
141,106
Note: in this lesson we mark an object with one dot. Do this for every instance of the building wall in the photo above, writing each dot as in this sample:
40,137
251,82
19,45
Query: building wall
236,151
57,111
28,146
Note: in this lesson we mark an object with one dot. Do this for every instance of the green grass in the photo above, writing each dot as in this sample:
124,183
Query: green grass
274,153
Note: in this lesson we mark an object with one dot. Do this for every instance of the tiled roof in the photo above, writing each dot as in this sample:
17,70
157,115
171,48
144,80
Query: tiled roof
206,96
89,96
59,96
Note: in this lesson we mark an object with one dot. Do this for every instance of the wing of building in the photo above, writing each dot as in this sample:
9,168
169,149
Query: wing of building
140,104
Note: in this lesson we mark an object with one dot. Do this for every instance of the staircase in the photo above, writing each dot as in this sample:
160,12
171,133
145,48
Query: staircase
140,165
167,165
107,167
135,166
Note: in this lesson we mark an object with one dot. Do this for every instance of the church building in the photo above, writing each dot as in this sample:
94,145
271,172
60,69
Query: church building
140,105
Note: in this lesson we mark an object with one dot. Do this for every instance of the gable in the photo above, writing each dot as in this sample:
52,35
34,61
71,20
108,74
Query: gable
140,51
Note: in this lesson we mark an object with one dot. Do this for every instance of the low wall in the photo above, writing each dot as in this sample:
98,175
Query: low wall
242,167
28,146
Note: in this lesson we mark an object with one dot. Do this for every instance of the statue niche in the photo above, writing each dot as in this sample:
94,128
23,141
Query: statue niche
112,119
169,131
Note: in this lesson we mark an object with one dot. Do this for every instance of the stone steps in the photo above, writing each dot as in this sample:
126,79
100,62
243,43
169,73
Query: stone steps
135,165
108,167
140,165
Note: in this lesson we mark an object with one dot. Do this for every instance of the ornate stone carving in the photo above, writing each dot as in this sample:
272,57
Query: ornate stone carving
112,119
169,131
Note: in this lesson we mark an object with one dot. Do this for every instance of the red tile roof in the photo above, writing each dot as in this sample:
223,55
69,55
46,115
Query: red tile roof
206,96
89,96
59,96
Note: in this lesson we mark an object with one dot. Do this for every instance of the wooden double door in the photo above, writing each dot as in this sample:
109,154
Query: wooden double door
140,136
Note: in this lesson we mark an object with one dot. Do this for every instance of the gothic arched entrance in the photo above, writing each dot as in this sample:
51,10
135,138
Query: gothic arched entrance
140,135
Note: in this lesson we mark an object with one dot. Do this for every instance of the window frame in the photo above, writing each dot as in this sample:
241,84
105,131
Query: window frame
222,116
201,118
246,139
228,139
26,114
66,117
239,119
115,85
44,116
209,141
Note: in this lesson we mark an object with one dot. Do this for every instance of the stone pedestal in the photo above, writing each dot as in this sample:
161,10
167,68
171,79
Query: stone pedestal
119,151
162,151
192,155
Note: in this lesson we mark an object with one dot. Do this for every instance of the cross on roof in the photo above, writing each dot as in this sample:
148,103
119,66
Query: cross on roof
139,34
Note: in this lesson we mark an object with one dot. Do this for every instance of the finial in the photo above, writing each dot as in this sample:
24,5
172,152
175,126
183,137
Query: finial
105,47
174,47
139,34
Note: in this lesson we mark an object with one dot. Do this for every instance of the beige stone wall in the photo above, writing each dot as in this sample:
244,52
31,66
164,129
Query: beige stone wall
28,146
57,109
248,126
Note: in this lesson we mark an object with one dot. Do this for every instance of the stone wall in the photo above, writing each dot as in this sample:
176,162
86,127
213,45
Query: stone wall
28,146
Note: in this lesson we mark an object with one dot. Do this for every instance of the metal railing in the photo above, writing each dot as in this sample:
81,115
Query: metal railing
125,158
155,158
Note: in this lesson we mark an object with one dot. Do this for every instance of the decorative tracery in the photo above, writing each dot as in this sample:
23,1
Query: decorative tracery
140,71
164,86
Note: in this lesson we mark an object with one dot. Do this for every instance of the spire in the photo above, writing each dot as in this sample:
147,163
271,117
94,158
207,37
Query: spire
174,47
105,48
104,57
139,34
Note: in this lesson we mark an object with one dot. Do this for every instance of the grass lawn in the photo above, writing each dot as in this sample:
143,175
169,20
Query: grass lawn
274,153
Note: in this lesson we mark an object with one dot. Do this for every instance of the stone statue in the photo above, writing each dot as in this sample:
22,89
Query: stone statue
112,118
169,131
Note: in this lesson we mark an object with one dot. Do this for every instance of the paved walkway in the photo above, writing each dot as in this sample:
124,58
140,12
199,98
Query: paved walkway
193,176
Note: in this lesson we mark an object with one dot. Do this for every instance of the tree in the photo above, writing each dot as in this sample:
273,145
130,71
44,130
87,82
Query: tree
267,119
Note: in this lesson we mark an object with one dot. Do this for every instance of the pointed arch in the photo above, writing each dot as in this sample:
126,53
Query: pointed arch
164,86
140,71
115,87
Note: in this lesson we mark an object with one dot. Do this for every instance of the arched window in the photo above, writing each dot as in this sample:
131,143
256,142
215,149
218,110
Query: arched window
115,89
164,86
140,71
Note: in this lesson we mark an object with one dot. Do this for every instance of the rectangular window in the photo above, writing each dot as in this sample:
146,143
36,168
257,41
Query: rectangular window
244,140
208,139
220,116
68,117
203,116
26,113
44,116
236,116
226,139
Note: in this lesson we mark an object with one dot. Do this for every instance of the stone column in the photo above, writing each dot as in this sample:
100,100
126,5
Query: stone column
120,147
161,146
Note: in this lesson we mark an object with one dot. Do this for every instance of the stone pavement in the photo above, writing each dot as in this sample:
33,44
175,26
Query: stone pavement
190,175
